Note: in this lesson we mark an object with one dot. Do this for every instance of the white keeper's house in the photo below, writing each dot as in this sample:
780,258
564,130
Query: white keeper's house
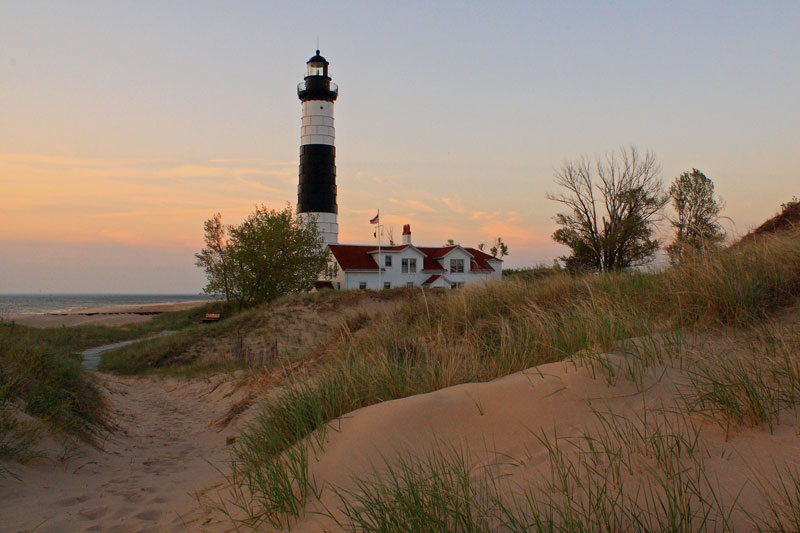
356,266
366,266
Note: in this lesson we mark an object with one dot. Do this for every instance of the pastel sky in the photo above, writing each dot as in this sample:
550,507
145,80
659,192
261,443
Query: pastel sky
124,125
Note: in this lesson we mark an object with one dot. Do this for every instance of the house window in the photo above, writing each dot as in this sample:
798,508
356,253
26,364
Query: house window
457,285
362,285
409,265
387,261
457,266
409,284
387,285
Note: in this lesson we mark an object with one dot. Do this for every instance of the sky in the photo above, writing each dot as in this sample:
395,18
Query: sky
125,125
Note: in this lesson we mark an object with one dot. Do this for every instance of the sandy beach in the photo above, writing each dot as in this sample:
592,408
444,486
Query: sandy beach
115,315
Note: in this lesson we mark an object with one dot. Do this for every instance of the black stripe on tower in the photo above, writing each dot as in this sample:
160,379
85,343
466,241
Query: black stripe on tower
316,192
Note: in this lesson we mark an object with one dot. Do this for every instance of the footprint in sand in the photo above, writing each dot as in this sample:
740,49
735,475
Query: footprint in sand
93,514
133,496
74,500
123,511
151,514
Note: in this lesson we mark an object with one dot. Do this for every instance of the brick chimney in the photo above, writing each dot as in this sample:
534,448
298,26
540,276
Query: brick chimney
407,234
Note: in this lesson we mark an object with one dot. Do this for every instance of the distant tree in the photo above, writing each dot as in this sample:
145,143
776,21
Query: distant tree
696,220
270,254
613,204
499,249
215,259
450,242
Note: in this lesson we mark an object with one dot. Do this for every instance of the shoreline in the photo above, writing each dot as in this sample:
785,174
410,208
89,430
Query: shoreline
105,315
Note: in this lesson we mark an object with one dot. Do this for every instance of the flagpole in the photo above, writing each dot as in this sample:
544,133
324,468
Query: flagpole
380,268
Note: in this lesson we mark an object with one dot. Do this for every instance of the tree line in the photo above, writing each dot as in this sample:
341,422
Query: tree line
614,203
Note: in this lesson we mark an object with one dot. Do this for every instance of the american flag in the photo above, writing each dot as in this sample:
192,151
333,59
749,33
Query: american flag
376,219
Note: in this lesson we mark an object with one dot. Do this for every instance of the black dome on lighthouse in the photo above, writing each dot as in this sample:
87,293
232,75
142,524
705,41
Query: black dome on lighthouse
318,58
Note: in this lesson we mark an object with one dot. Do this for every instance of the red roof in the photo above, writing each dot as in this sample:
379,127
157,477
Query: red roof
354,256
357,257
431,279
479,260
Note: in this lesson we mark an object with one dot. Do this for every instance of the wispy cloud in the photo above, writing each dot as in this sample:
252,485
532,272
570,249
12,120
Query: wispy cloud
132,201
454,205
413,204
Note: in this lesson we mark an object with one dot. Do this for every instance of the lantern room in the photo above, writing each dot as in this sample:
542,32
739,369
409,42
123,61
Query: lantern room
317,66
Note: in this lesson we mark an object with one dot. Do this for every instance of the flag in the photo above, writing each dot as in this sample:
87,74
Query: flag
376,219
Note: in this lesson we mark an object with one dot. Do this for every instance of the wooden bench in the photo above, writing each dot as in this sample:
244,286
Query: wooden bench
211,317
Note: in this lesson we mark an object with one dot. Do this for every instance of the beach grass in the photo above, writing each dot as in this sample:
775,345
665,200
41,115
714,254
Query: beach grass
436,340
54,389
585,485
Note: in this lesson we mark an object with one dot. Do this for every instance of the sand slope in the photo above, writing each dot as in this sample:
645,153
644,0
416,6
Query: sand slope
497,423
167,446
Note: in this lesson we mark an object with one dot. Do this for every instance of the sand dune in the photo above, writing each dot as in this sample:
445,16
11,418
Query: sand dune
497,424
169,447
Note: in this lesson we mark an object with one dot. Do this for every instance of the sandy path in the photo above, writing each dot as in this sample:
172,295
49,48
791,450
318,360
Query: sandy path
166,447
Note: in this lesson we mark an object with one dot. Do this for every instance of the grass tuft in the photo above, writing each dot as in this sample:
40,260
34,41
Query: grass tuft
436,493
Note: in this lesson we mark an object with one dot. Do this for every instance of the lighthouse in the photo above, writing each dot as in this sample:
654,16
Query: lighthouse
316,191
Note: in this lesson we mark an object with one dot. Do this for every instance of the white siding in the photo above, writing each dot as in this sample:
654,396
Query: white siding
317,123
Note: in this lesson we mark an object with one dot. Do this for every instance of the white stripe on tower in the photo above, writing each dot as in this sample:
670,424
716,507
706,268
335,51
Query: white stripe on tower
317,123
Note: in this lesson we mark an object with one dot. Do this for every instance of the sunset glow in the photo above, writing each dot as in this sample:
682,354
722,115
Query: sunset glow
124,127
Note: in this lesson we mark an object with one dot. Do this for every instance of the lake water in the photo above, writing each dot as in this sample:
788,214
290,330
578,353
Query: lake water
17,304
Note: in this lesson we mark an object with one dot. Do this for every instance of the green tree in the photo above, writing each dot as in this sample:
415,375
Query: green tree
696,220
270,254
613,204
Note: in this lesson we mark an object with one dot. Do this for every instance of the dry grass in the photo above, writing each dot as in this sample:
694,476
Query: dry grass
433,341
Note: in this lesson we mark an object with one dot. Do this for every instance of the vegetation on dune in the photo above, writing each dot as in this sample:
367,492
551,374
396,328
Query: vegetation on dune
433,341
533,273
182,352
589,487
51,386
788,218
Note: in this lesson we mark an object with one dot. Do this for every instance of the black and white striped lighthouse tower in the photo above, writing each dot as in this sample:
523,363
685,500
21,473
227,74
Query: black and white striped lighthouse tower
316,192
